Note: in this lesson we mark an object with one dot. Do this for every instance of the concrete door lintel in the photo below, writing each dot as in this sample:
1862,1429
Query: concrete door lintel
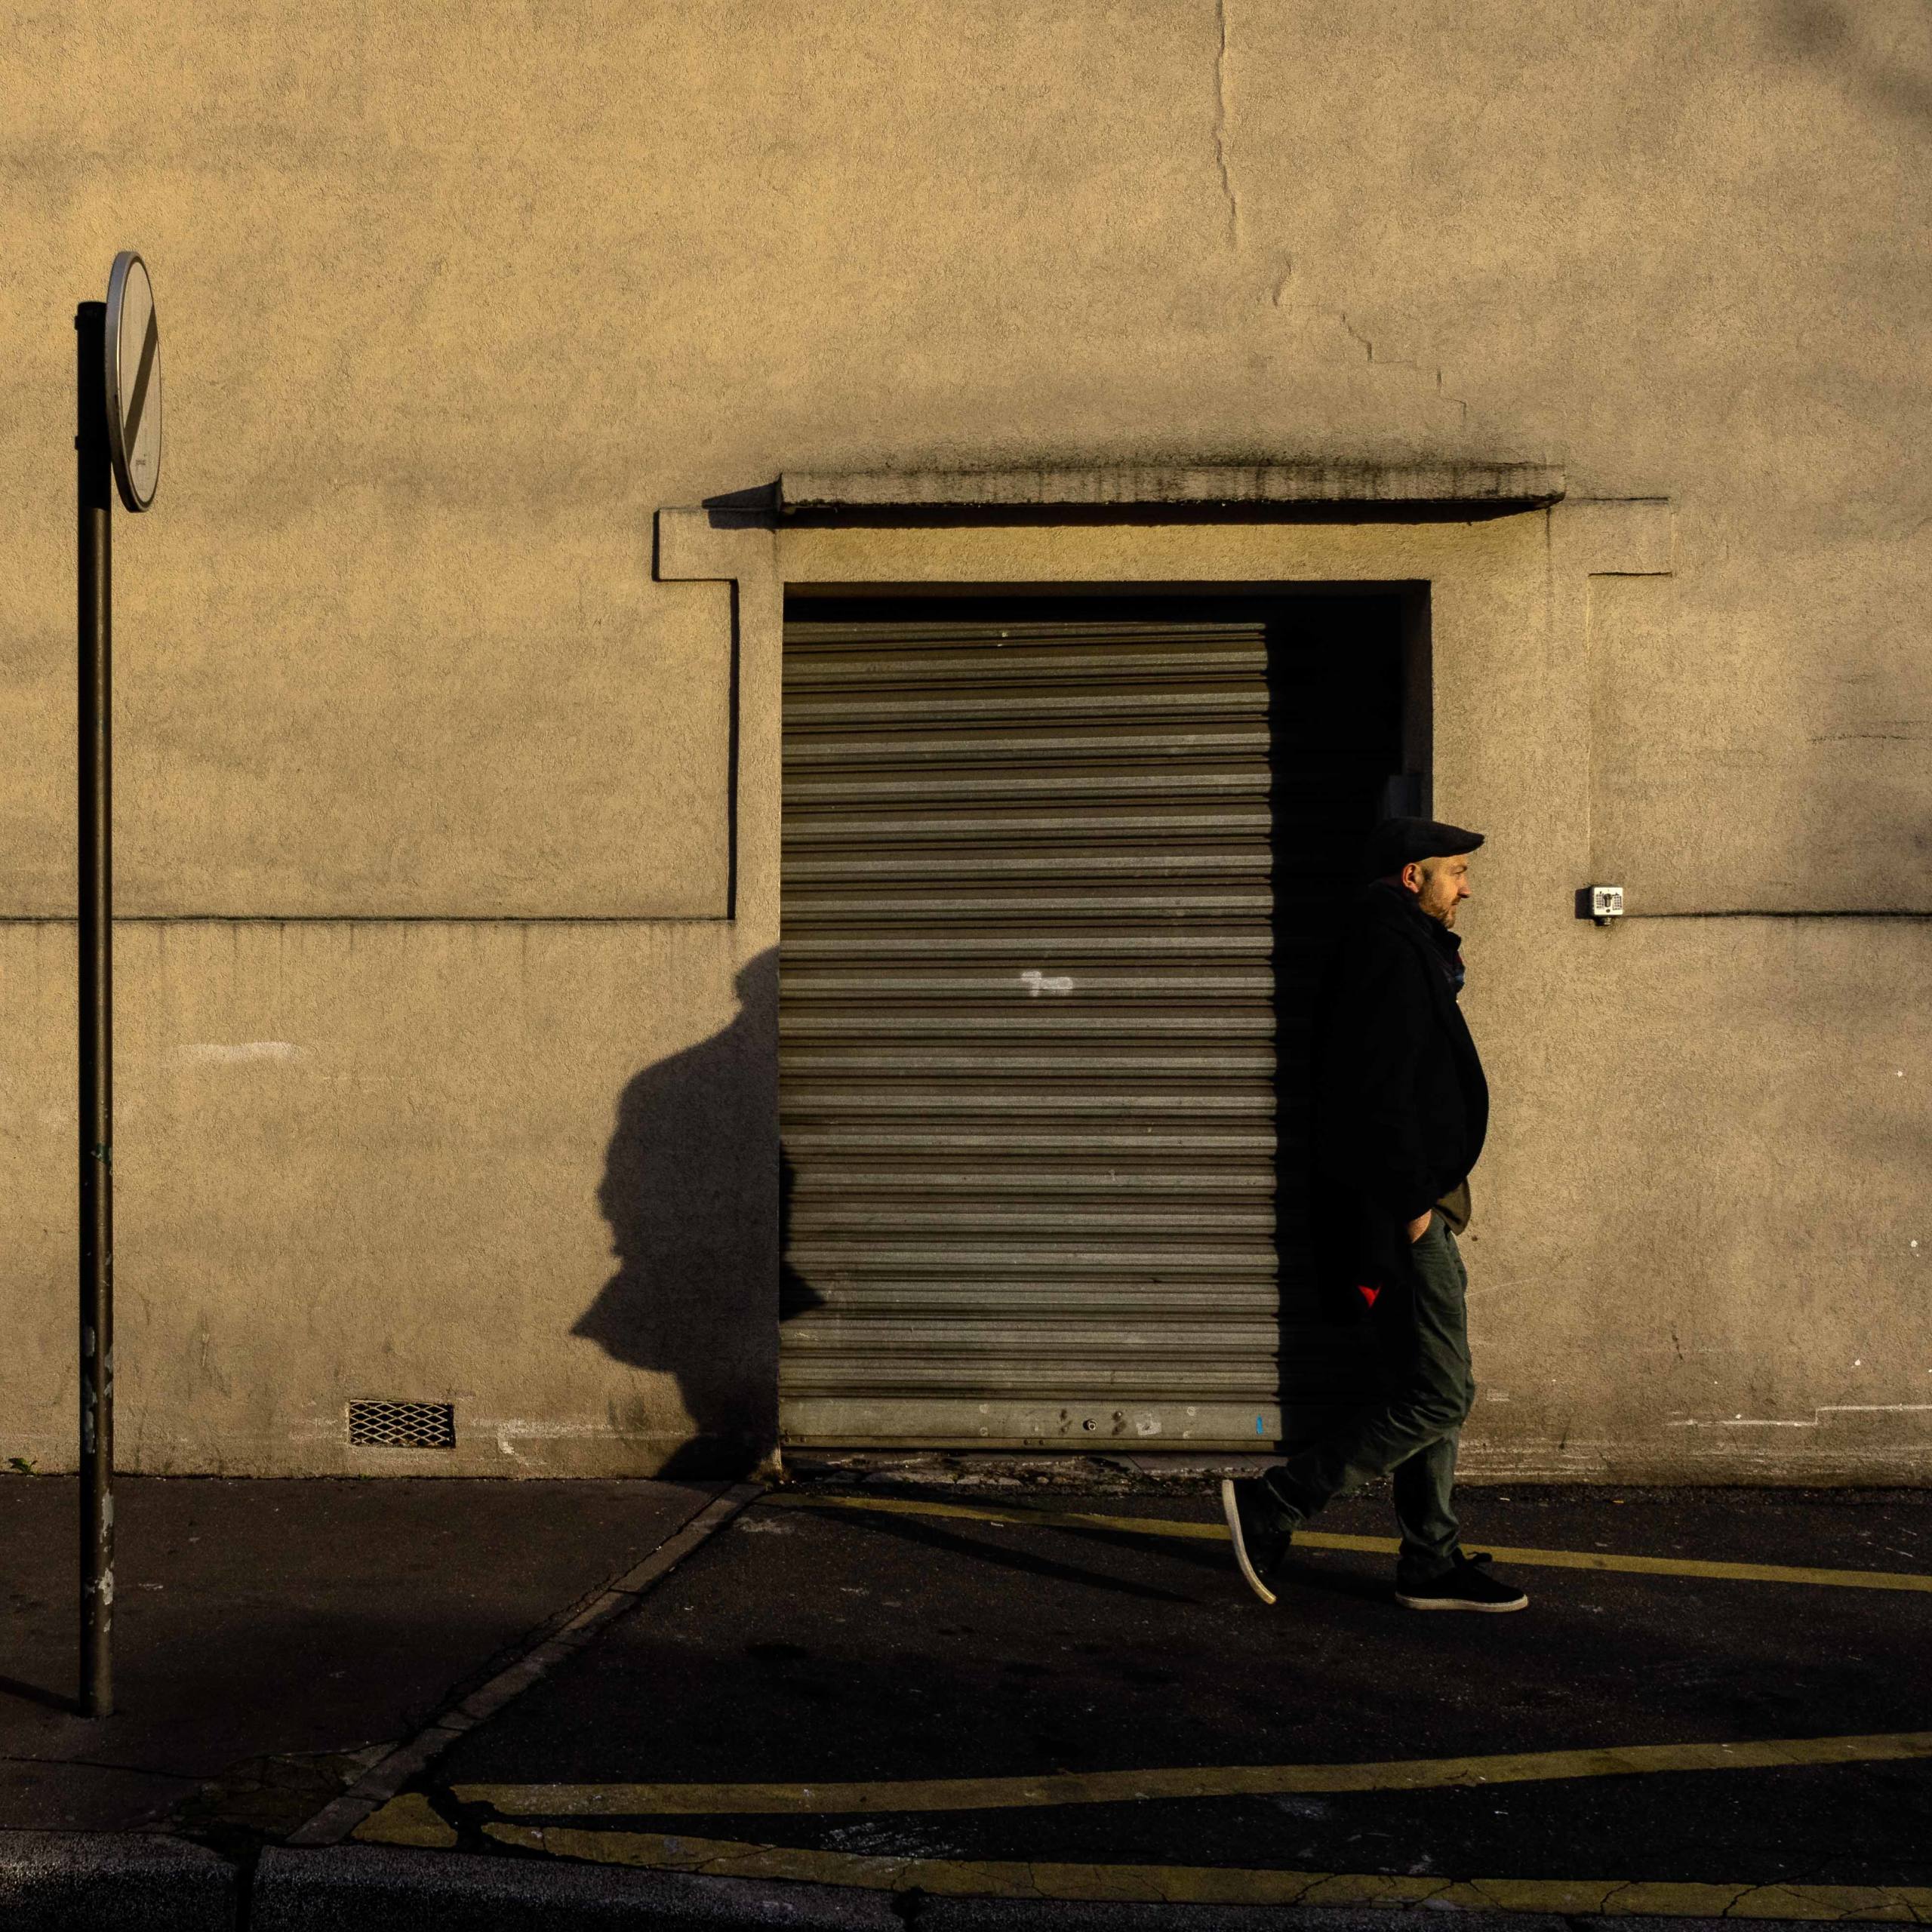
1508,618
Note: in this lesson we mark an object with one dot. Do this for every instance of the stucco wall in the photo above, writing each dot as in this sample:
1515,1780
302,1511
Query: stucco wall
451,303
518,1169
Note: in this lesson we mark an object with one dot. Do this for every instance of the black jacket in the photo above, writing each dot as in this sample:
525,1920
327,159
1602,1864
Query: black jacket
1400,1105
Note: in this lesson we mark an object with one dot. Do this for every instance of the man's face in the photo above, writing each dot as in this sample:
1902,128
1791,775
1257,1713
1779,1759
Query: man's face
1440,886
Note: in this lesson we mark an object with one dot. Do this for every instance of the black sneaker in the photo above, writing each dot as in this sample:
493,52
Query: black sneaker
1259,1545
1470,1585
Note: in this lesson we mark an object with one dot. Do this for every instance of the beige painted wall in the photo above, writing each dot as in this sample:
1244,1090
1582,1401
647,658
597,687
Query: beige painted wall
451,303
493,1165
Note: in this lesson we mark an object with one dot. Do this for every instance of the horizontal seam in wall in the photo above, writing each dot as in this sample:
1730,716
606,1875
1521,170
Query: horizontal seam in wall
381,919
727,919
1753,913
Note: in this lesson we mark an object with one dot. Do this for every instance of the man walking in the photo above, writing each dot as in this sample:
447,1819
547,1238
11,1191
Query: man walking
1400,1109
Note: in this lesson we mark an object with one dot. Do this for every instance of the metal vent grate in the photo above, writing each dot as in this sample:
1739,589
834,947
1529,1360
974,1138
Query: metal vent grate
402,1424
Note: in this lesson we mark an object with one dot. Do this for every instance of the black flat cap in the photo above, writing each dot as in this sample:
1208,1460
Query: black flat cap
1396,842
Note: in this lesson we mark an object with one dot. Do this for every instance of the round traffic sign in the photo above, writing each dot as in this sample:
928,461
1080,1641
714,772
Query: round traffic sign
134,381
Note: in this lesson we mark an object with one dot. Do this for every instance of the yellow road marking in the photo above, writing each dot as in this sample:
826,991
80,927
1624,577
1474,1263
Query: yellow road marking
1187,1883
1183,1781
410,1820
1552,1559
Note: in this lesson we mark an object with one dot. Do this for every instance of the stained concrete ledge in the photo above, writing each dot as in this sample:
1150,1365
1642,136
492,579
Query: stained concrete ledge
99,1882
1490,484
352,1887
949,1915
939,1915
60,1881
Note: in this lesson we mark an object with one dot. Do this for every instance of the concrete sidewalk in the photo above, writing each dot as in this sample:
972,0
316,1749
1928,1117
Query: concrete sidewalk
272,1638
860,1702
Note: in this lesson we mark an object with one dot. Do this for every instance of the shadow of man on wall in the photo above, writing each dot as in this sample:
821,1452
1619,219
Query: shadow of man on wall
694,1207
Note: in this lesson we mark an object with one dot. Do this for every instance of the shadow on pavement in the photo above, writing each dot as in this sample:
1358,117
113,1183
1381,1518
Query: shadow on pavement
909,1529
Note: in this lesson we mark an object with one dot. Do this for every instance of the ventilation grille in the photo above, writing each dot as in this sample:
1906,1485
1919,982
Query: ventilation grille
402,1424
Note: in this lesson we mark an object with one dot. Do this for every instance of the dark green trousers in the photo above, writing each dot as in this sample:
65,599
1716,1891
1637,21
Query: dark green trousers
1410,1434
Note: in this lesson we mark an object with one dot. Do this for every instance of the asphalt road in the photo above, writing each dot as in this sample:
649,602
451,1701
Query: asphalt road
813,1640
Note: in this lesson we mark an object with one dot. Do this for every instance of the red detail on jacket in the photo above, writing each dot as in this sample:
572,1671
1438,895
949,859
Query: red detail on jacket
1367,1293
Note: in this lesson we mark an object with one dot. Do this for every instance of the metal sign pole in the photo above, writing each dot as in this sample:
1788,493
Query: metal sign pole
96,1021
117,436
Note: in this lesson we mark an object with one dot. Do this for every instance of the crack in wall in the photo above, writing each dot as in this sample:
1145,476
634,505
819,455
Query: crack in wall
1278,299
1397,362
1221,125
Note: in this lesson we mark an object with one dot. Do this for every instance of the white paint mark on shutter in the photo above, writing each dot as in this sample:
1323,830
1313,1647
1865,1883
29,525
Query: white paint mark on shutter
1037,983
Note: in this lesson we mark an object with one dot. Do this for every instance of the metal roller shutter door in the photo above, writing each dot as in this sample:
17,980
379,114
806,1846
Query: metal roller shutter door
1029,1038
